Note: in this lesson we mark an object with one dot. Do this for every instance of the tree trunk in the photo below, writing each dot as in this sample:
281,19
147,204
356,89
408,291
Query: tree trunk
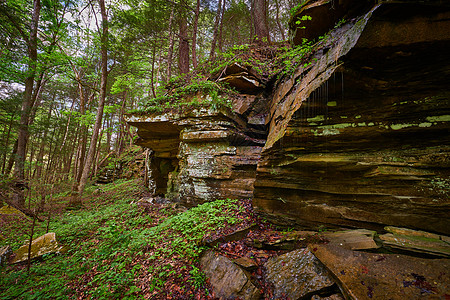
259,16
22,138
212,53
75,201
221,27
171,42
7,142
277,18
152,80
194,35
183,47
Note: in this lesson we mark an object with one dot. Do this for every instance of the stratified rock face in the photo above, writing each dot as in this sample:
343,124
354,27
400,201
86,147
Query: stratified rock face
199,156
363,138
358,137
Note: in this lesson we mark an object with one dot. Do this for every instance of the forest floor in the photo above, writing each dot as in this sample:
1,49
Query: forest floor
122,246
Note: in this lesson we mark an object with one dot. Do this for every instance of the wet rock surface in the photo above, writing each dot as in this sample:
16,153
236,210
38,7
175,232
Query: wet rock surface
385,276
416,241
365,143
359,239
297,275
227,279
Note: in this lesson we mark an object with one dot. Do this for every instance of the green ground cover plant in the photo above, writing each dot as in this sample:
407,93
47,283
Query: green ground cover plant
119,249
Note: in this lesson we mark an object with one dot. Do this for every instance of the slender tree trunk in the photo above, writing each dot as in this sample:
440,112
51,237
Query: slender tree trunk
220,46
39,159
277,18
7,142
108,134
183,48
212,53
11,159
171,42
22,138
152,81
194,35
101,105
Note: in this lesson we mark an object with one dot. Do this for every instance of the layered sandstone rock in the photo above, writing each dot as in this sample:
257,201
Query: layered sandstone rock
363,138
358,137
199,156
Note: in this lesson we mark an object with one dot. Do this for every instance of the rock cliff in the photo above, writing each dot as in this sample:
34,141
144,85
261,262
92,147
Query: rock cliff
358,136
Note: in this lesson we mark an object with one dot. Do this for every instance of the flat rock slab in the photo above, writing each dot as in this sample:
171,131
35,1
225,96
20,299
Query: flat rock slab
227,279
359,239
9,210
297,274
385,276
44,244
416,241
417,244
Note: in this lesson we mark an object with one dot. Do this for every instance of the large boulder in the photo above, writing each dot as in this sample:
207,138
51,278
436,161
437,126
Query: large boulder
297,275
227,279
44,244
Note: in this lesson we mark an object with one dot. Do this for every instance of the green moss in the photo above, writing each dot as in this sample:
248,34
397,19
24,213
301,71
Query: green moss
443,118
318,118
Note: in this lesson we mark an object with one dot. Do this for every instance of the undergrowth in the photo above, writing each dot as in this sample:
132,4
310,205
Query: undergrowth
119,249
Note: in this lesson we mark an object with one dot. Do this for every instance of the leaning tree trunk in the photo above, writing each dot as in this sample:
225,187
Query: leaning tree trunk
76,201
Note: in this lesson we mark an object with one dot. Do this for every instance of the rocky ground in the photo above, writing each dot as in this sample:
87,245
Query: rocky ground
151,248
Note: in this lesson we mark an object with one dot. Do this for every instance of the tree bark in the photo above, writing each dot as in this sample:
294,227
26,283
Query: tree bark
75,201
183,47
194,35
220,46
212,53
23,135
7,142
259,16
277,18
171,42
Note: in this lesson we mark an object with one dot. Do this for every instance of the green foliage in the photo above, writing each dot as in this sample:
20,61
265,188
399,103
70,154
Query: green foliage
198,278
186,94
303,19
296,8
105,241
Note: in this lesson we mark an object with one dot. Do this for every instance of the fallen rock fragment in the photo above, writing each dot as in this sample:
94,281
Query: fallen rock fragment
234,236
359,239
364,275
246,263
416,241
9,210
4,254
227,279
298,274
332,297
44,244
